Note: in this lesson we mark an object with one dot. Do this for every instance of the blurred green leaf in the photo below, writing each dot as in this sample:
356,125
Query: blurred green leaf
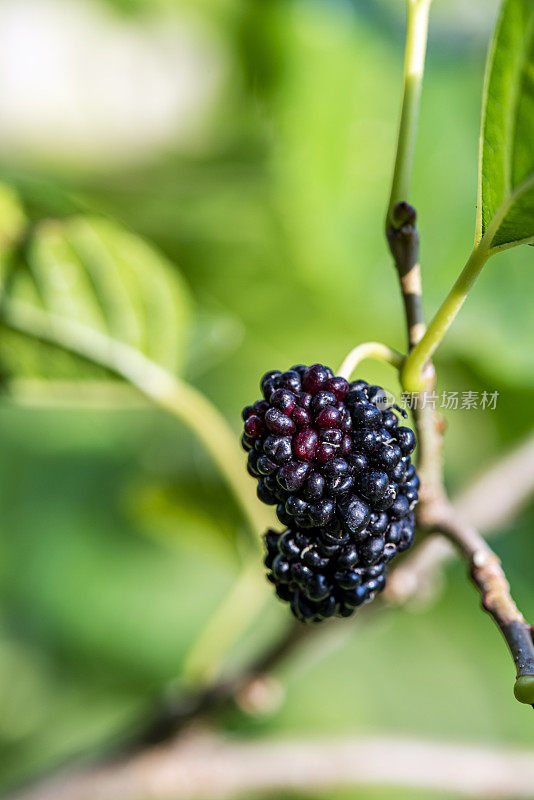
193,516
12,217
215,335
506,182
93,272
13,224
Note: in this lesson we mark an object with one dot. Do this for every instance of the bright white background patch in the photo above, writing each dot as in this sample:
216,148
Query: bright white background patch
78,83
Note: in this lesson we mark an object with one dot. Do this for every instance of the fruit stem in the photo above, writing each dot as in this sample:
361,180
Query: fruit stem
417,12
374,350
413,378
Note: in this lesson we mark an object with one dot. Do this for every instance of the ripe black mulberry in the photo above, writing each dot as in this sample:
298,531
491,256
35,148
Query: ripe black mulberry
333,458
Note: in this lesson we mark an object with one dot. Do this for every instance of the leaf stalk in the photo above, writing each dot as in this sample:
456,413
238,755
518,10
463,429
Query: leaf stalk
413,376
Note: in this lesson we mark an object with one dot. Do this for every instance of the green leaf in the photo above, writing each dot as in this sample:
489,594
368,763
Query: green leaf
93,272
12,218
216,334
506,169
92,292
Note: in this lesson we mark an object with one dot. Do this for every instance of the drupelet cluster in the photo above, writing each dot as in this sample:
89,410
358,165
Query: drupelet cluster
333,458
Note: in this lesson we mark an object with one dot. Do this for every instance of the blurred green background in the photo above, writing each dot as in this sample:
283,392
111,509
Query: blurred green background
252,143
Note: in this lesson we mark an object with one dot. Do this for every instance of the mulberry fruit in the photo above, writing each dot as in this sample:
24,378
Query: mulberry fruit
333,458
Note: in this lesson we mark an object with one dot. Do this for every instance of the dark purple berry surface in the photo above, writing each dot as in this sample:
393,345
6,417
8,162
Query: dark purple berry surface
333,458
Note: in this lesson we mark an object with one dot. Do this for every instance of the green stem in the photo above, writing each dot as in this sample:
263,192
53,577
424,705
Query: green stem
412,374
414,64
177,397
374,350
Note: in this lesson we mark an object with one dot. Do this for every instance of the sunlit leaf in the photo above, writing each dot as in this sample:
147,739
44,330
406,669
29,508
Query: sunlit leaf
506,170
97,274
215,336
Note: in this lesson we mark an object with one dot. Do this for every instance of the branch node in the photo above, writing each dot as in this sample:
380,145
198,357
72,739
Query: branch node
403,214
482,559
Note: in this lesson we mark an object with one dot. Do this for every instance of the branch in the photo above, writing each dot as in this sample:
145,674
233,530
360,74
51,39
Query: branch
489,578
435,513
509,484
169,717
489,504
207,767
403,240
414,578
